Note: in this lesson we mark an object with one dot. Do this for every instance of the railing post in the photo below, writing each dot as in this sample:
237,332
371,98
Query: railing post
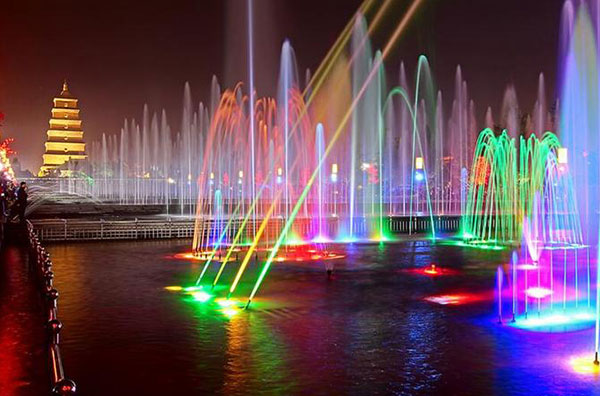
61,385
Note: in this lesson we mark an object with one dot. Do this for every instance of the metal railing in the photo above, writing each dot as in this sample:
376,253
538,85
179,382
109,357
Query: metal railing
83,229
40,258
55,230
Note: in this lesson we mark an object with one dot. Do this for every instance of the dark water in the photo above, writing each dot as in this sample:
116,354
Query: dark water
368,331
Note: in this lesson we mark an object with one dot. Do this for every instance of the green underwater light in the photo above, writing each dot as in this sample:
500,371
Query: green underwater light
201,296
192,288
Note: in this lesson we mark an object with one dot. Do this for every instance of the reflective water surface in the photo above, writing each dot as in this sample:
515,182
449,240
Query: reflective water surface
369,330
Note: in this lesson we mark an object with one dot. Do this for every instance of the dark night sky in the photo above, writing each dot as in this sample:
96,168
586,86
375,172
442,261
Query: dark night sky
119,54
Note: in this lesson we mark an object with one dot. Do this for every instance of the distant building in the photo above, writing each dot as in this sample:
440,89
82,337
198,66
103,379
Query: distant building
20,173
65,143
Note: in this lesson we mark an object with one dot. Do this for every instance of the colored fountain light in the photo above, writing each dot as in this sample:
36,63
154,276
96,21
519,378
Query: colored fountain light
452,299
528,267
201,296
212,256
584,365
419,176
230,312
226,303
192,288
538,292
558,322
432,270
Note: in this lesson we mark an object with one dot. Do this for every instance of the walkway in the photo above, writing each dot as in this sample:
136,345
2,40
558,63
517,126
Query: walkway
23,356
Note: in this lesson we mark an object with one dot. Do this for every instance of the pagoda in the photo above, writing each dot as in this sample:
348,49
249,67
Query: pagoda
65,136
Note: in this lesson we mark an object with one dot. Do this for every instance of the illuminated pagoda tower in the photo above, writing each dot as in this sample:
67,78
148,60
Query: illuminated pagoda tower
65,136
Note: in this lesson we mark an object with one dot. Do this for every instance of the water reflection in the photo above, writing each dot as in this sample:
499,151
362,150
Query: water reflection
369,330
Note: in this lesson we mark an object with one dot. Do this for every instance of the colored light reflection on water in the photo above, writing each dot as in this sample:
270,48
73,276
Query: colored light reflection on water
451,299
538,292
431,271
584,365
201,296
298,336
555,322
192,288
528,267
297,253
225,303
229,312
483,245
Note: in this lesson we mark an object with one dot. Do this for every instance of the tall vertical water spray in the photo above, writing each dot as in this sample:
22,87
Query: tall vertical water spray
251,105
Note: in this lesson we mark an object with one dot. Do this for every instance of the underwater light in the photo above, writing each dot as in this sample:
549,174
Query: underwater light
538,292
192,288
584,365
223,302
419,176
527,267
455,298
447,299
201,296
320,239
543,323
431,270
230,312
